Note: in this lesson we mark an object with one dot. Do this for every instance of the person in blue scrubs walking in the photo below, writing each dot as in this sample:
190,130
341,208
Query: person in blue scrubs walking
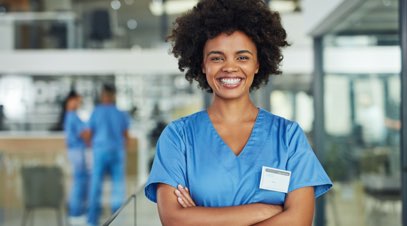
108,129
74,129
233,163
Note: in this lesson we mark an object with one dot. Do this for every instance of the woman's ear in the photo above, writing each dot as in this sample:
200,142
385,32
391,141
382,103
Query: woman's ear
203,69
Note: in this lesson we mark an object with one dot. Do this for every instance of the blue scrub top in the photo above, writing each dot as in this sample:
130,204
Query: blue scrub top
73,127
190,152
108,125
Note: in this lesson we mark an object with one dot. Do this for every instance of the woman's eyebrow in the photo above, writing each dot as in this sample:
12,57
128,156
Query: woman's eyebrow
221,53
214,52
244,51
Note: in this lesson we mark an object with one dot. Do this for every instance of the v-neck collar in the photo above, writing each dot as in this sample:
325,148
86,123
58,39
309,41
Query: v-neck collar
251,141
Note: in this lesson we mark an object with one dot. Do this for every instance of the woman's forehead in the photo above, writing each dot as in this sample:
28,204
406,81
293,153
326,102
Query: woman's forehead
235,41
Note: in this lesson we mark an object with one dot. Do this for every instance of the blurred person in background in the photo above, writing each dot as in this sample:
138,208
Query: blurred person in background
75,133
233,163
108,132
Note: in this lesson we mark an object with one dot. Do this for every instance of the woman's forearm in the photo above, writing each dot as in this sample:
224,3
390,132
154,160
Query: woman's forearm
285,218
298,210
172,213
238,215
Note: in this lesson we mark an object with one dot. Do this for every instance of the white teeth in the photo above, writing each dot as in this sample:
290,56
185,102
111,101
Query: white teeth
230,81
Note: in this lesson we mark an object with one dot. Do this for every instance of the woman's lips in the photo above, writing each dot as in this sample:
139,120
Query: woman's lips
230,82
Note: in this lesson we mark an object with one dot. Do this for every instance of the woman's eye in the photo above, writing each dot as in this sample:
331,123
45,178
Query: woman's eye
216,59
242,58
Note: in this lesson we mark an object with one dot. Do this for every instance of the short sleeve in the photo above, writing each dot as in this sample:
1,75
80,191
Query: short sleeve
169,166
306,170
73,124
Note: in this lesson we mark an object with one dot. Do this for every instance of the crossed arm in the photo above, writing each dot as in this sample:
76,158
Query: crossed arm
176,207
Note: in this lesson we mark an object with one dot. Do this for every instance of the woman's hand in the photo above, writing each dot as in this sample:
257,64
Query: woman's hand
184,197
185,200
176,207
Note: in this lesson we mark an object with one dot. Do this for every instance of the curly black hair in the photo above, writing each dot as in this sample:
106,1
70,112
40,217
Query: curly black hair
210,18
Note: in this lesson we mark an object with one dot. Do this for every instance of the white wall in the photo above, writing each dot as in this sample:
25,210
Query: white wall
84,62
7,35
298,58
371,60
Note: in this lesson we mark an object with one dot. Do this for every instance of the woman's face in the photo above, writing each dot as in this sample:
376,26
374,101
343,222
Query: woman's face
74,103
230,64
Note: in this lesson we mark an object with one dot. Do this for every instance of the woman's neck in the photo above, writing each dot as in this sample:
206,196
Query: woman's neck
232,111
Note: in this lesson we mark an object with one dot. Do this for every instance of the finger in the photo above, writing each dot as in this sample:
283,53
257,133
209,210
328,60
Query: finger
181,202
189,195
179,199
180,196
184,198
186,195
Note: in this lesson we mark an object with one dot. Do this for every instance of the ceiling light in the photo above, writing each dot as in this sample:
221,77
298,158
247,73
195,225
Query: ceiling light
115,4
132,24
282,6
157,8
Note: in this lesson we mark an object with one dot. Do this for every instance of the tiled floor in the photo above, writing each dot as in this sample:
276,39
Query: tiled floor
145,212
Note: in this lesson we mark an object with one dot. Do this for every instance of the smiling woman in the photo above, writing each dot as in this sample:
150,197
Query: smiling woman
233,163
230,64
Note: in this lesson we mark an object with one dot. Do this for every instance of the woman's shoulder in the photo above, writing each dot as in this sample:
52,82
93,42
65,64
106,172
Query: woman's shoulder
189,120
71,115
183,127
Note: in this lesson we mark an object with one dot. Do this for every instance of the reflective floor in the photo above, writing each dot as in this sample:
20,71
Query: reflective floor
145,212
348,204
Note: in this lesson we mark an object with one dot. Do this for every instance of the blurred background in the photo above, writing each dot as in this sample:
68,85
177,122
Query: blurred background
341,81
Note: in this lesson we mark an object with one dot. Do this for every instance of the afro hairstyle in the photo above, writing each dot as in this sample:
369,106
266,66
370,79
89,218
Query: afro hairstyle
209,18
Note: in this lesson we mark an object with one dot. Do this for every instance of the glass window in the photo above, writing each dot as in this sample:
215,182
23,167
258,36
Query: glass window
363,148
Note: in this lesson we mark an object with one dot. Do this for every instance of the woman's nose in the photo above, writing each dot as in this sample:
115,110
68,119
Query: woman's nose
230,67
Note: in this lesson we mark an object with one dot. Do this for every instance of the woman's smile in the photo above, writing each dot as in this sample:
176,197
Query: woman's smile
230,82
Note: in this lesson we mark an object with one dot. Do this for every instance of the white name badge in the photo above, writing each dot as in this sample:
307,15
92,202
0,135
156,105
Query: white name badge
275,179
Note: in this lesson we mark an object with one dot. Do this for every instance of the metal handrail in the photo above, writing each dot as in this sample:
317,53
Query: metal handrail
122,207
117,213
